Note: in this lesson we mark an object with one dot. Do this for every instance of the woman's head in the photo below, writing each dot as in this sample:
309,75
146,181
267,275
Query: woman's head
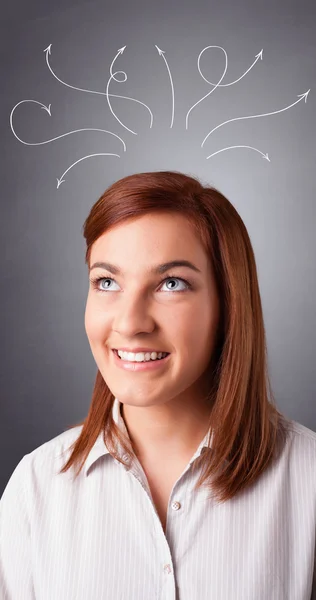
175,310
214,330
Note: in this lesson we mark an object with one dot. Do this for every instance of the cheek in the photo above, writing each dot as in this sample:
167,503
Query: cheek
201,328
94,321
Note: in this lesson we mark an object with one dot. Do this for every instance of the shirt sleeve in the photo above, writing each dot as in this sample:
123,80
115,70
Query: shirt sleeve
15,548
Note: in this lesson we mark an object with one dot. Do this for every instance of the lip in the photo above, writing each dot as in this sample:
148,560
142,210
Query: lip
139,349
150,365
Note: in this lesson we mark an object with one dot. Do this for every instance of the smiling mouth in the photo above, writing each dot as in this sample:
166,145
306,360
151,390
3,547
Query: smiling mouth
142,361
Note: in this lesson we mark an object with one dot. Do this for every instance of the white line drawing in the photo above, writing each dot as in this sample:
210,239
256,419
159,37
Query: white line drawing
219,84
48,52
48,109
162,53
300,96
114,75
265,156
61,180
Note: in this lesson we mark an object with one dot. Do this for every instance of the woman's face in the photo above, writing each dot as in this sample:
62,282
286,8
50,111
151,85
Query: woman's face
138,308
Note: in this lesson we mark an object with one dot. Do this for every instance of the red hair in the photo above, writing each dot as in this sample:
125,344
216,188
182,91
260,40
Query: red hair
248,430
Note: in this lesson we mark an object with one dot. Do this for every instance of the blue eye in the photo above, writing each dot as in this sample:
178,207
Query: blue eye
177,279
95,283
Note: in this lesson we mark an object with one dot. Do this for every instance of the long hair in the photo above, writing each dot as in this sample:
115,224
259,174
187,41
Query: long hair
248,431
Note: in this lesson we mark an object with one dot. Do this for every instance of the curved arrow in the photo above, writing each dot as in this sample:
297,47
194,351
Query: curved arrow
112,76
208,94
259,55
48,52
162,53
300,96
47,108
265,156
61,180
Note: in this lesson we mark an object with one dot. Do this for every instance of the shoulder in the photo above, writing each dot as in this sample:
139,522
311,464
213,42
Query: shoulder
36,480
53,454
302,435
44,461
300,451
55,447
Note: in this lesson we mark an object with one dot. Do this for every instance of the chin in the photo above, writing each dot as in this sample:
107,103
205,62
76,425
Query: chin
138,399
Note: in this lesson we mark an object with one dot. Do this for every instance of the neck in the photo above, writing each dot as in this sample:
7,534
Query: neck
174,428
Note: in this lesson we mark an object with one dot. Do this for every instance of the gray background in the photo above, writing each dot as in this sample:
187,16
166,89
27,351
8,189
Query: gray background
47,370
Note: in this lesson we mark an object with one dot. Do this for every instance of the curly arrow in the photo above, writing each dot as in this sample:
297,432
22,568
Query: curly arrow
219,84
48,109
48,52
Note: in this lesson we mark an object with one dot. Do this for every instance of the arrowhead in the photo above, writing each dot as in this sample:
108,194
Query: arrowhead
47,108
160,51
48,49
266,157
304,95
59,182
121,50
260,54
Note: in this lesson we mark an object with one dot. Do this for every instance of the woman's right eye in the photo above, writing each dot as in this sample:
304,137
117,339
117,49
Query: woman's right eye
95,283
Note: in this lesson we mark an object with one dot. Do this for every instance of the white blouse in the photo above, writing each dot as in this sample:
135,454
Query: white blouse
99,537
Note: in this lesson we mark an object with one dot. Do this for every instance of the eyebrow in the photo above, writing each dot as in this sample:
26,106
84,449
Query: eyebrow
158,269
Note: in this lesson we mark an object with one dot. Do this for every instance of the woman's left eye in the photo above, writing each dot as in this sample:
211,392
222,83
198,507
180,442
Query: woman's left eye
95,283
186,283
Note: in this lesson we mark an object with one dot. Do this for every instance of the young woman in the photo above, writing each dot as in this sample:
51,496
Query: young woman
184,481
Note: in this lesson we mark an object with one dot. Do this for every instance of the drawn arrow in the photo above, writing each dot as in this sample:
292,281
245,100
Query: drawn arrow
112,76
208,94
300,96
48,109
162,53
259,55
265,156
61,180
48,52
219,84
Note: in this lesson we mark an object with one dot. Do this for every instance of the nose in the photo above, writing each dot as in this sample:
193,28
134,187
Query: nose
133,315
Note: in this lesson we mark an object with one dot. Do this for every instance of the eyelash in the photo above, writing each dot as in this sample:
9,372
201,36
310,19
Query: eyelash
95,283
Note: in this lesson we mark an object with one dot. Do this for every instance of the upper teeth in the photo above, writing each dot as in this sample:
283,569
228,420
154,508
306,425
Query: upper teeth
141,356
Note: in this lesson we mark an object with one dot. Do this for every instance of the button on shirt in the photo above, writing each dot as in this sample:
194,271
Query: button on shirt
99,537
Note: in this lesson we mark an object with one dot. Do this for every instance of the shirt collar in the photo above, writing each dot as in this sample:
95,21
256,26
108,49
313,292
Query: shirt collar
100,449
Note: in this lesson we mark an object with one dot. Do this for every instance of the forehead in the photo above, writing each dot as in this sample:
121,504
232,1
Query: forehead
150,238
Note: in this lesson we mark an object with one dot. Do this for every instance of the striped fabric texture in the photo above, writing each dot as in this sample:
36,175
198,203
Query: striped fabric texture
99,537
